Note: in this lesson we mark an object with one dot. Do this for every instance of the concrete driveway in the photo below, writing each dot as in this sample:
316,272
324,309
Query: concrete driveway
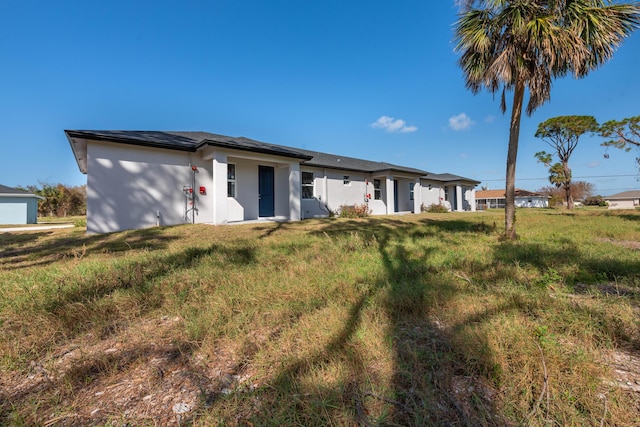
35,228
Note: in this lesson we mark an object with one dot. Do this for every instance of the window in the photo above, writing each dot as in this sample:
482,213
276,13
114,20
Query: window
307,185
377,193
411,186
231,180
346,180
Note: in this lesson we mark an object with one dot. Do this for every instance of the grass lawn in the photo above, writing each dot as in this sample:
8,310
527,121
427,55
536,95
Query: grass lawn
427,319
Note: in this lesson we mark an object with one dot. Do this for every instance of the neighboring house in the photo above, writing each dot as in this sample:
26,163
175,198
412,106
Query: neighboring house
17,206
624,200
491,199
138,179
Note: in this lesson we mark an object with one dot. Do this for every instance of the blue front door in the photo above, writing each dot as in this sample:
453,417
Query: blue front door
265,191
395,195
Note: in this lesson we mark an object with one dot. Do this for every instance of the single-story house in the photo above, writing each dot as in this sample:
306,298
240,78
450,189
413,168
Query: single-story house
455,192
18,206
137,179
491,199
624,200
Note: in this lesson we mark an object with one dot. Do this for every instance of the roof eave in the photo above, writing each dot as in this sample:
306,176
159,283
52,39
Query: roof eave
22,195
232,146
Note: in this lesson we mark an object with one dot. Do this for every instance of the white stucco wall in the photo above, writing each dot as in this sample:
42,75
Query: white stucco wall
339,194
245,205
128,185
623,204
433,195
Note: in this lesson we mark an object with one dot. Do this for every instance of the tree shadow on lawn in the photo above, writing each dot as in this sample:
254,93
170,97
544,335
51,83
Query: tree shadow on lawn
43,248
83,301
137,278
590,268
430,366
426,362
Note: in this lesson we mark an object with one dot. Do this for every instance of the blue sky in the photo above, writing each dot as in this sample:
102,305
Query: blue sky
370,79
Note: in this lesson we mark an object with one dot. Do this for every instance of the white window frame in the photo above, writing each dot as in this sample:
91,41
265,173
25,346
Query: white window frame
377,189
308,184
231,180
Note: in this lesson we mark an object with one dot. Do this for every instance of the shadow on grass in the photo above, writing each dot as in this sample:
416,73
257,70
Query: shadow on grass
42,248
83,303
136,276
588,268
425,360
429,364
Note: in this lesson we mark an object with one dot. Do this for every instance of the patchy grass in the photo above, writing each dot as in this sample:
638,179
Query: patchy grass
403,320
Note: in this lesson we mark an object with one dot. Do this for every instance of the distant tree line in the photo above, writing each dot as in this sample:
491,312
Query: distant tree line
59,199
562,134
580,190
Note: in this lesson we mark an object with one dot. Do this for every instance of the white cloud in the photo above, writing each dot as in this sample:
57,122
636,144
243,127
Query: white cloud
389,124
489,119
461,122
464,156
592,165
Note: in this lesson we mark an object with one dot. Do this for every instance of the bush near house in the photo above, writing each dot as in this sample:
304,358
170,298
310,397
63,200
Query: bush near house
355,211
434,208
594,201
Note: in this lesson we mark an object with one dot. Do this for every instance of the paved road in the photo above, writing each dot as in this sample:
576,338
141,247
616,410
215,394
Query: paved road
35,228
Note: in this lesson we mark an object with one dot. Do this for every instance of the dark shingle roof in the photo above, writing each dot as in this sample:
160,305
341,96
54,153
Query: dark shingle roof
191,141
333,161
448,177
8,190
183,141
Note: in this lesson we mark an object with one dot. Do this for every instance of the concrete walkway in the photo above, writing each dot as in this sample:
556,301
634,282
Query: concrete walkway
35,228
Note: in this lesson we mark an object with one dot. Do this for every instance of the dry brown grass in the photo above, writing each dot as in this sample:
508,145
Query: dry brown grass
416,320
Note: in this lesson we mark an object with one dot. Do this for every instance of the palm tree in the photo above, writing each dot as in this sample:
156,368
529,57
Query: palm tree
519,45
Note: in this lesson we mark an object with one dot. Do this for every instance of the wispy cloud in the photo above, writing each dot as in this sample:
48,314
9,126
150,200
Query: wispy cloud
490,119
461,122
389,124
594,164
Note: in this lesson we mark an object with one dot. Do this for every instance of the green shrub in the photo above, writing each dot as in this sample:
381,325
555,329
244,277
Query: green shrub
435,208
594,201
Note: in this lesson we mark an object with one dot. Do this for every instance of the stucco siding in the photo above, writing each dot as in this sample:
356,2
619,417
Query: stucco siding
128,186
339,194
315,207
245,205
432,193
623,204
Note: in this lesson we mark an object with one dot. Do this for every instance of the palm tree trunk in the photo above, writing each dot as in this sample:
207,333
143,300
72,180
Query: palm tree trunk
512,154
567,184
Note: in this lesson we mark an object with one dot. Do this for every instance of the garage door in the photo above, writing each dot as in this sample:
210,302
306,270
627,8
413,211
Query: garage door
13,213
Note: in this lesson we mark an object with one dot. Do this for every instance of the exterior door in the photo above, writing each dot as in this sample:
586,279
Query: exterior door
395,195
266,191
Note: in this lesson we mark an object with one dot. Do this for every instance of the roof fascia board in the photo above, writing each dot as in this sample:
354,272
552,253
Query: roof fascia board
123,140
252,149
22,195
